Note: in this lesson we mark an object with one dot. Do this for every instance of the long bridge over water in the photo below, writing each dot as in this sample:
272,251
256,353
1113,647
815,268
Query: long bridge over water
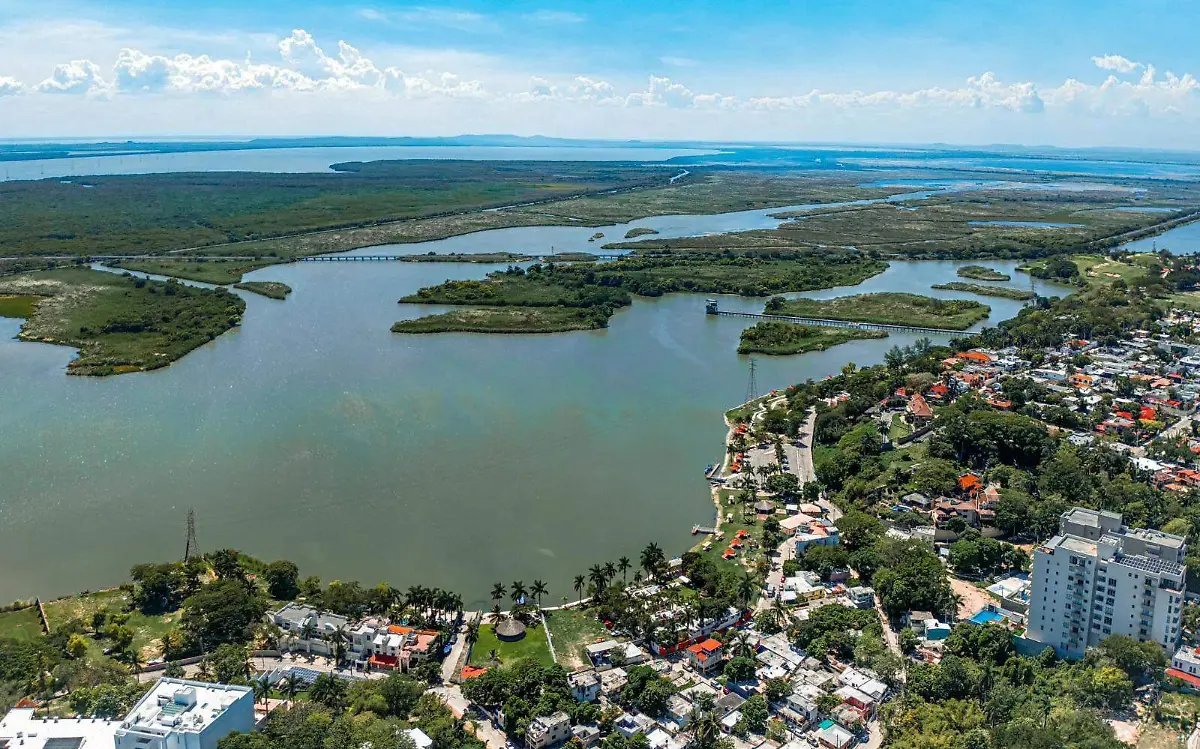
711,308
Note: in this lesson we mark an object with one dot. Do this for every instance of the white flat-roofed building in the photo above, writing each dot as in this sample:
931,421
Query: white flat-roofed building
1099,578
20,729
180,714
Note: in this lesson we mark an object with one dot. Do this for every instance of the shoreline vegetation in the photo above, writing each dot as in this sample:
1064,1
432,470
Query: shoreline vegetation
121,323
269,289
776,338
21,307
982,273
217,272
601,289
886,308
499,320
1003,292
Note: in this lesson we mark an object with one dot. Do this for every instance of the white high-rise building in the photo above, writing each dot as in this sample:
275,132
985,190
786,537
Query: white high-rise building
1098,578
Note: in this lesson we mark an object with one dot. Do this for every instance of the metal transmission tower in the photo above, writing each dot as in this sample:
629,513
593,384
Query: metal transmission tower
752,385
192,548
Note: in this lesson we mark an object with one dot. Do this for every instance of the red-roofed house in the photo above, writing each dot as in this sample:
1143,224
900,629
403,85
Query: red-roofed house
706,656
969,483
976,357
919,412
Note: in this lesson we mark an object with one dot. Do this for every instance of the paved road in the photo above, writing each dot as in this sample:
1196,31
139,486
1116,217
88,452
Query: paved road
492,736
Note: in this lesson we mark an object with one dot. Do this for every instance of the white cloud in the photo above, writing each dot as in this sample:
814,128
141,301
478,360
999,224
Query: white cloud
10,86
1150,95
75,77
661,92
554,16
1116,62
588,89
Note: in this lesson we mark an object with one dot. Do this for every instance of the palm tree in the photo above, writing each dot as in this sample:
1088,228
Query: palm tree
204,670
740,646
596,576
493,656
637,577
652,558
495,614
518,590
745,588
538,590
307,632
578,585
328,690
340,638
290,686
610,571
262,690
623,565
133,657
498,591
472,633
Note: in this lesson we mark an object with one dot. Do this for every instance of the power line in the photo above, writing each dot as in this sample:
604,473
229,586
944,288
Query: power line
192,548
752,385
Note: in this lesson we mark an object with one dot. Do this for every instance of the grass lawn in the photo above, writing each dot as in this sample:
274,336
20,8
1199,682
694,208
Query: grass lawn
532,646
147,630
21,625
571,630
898,429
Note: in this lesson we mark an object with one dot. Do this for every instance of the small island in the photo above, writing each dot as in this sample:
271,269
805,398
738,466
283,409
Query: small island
776,338
505,320
1003,292
641,231
271,289
597,235
982,273
886,308
121,323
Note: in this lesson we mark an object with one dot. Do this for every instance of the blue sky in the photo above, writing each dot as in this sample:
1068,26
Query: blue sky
1066,73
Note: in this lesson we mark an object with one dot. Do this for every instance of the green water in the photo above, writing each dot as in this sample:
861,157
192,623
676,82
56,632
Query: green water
315,434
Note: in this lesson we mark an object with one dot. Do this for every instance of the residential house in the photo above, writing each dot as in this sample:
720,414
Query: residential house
587,736
307,628
706,656
631,724
918,413
834,736
862,597
585,685
548,730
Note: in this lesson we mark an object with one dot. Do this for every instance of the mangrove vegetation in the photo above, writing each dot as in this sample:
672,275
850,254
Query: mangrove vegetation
1002,292
777,338
982,273
886,308
120,323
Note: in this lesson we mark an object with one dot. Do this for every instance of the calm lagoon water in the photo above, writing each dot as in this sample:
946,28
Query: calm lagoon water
313,433
318,159
1182,240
